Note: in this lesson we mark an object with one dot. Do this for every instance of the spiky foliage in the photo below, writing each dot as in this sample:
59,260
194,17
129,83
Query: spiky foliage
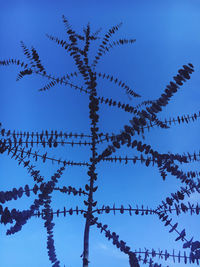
20,146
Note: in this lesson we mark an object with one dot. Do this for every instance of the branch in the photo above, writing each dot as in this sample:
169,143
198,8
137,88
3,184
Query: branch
119,83
108,209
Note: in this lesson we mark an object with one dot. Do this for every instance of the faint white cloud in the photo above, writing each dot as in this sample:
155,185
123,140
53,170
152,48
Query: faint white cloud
112,251
103,246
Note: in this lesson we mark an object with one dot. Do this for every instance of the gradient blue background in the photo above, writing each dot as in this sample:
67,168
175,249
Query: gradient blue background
168,36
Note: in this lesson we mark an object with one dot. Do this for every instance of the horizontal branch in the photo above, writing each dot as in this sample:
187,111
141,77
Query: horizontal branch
44,157
126,159
73,190
183,208
45,133
165,255
62,212
52,136
183,118
50,143
18,193
108,209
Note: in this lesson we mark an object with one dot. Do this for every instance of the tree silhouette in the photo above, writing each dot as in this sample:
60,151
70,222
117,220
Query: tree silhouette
102,147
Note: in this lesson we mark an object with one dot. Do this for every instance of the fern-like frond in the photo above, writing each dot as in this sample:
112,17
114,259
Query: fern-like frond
58,41
68,76
116,43
106,38
48,86
118,82
33,57
49,226
27,53
36,58
13,62
176,197
61,81
144,103
184,74
14,194
23,73
71,33
183,118
168,222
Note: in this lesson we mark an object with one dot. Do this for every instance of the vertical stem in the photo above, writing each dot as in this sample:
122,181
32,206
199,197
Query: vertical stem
86,244
94,117
93,107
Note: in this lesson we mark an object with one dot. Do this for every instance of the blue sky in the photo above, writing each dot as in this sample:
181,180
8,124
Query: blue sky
167,36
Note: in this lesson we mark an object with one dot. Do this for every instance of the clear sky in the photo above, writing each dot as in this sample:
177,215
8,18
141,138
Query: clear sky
167,36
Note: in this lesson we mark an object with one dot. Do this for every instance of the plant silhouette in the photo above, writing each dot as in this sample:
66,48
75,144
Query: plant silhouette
20,146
